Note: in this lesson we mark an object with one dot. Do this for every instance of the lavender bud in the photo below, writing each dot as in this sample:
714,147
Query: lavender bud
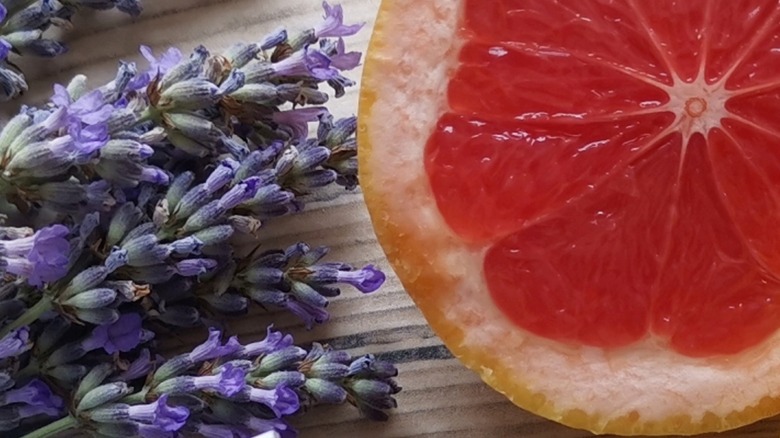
258,71
325,391
195,127
342,130
40,47
140,230
40,160
140,367
190,94
311,158
180,316
256,93
214,235
154,136
131,7
195,267
286,161
371,390
318,178
273,39
239,193
145,251
245,224
257,160
68,374
35,132
367,367
77,87
290,379
172,368
221,175
235,146
121,173
125,150
116,259
233,82
12,84
152,274
188,145
328,371
102,395
13,129
227,303
67,353
223,278
92,299
96,376
306,294
51,335
125,73
261,275
124,219
207,215
178,188
186,246
240,54
279,360
97,316
186,70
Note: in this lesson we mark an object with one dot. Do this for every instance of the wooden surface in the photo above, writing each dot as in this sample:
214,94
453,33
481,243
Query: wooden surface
440,398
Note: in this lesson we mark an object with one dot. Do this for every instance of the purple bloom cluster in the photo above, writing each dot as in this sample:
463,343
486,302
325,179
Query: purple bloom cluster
159,183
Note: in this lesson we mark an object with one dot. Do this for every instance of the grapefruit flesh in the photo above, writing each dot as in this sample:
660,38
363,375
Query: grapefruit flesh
582,198
624,183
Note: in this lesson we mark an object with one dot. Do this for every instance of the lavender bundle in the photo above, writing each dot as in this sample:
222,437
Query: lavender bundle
124,210
24,26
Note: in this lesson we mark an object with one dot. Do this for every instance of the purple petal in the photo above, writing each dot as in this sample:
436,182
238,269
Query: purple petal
124,334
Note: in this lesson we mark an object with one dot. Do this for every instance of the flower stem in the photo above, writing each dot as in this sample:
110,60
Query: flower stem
28,317
51,429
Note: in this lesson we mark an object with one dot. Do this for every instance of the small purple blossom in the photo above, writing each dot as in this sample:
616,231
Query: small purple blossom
227,382
140,367
333,24
274,341
281,400
154,175
297,120
15,343
123,335
308,62
344,60
212,348
309,314
160,414
35,393
40,258
222,175
160,66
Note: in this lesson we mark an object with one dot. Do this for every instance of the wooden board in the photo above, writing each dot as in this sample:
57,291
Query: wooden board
440,397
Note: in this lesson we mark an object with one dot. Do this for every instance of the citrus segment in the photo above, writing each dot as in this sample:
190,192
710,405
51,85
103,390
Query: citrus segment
546,279
480,169
606,260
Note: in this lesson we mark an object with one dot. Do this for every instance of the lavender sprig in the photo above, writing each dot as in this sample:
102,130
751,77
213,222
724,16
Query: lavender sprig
157,183
23,31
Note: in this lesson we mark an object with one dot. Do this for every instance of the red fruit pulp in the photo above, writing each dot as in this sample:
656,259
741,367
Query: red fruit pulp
621,162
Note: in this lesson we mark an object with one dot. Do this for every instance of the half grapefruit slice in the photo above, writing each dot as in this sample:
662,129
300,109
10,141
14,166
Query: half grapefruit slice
583,198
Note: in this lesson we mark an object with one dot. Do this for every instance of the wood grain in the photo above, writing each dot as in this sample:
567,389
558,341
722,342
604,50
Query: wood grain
440,397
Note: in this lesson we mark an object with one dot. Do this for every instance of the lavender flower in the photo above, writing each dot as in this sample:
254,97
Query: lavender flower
157,67
15,343
333,25
228,381
40,258
157,414
122,335
35,393
212,348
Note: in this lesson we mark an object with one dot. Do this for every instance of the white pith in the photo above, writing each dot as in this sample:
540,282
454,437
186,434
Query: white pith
645,378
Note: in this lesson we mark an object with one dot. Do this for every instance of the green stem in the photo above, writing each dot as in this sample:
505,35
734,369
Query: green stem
51,429
28,317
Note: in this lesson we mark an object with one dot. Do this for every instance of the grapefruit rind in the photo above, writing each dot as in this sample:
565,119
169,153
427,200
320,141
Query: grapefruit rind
644,388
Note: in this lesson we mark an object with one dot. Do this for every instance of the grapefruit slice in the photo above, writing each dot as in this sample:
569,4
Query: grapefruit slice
583,198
